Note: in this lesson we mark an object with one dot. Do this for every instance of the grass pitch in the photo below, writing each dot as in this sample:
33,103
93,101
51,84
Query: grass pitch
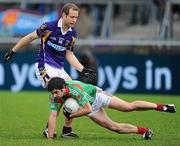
23,116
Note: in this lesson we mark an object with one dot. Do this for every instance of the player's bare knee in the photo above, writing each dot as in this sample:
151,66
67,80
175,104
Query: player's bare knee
135,104
129,107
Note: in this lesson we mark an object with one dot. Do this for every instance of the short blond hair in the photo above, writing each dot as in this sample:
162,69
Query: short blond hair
66,8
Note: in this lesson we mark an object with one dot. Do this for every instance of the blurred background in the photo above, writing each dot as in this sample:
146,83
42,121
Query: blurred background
133,44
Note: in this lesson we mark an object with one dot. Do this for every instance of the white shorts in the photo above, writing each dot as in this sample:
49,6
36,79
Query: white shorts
51,71
102,100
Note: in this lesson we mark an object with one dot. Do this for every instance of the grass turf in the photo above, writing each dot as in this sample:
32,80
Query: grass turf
23,116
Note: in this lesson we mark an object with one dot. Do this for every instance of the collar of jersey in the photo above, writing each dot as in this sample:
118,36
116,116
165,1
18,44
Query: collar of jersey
67,92
60,25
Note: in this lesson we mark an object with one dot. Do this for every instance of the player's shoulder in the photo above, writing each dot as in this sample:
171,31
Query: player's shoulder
74,83
51,24
69,82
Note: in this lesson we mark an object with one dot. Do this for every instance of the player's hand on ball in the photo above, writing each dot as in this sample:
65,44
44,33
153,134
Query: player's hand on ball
66,113
8,55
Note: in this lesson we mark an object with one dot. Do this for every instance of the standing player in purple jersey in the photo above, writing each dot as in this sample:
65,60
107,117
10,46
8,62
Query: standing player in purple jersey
57,44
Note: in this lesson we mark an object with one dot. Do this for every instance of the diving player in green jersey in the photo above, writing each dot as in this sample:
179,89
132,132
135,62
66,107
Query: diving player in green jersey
92,101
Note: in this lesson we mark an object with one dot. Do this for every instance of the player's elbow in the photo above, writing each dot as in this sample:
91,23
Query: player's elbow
32,36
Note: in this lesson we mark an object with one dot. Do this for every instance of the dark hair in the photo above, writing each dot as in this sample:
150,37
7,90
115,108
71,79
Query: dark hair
55,83
68,6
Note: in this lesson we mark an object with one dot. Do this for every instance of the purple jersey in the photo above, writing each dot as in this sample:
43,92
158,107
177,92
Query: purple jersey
54,43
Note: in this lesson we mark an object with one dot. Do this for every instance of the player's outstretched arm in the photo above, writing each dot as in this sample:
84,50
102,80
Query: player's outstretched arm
52,124
22,42
87,73
71,58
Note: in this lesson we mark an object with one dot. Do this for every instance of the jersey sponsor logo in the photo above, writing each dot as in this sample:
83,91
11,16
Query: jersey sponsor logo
53,38
76,94
56,47
60,40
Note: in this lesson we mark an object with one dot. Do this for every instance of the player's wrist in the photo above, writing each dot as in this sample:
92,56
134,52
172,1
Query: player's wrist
84,70
12,51
8,55
81,70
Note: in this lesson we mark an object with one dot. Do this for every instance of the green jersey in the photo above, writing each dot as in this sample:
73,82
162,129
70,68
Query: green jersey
81,92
